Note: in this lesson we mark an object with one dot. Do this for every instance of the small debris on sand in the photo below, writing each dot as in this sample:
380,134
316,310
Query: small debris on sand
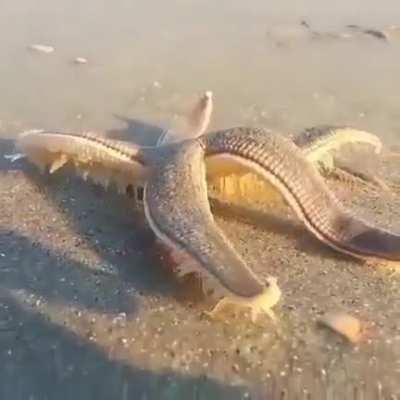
343,324
80,60
14,157
42,48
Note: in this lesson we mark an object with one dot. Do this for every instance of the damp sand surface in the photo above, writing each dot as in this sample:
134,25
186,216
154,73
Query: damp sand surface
88,308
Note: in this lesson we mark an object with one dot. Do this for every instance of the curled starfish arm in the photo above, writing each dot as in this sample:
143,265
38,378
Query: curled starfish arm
280,162
320,140
102,159
328,147
260,304
199,118
196,122
351,174
177,209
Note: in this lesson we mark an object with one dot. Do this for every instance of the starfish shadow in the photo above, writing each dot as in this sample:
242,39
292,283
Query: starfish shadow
137,130
30,267
47,361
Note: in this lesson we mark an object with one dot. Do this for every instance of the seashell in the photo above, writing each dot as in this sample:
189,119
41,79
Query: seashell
344,324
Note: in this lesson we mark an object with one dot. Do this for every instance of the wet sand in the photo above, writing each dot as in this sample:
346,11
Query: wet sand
88,308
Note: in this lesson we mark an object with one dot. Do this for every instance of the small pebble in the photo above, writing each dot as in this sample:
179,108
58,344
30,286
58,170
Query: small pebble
80,60
120,320
42,48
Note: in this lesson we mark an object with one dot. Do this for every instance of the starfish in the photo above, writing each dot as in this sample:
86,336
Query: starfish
176,178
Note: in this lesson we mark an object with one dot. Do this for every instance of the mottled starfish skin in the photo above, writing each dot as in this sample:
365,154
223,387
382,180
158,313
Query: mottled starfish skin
185,221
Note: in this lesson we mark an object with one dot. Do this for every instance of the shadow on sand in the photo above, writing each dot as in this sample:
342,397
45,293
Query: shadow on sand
41,360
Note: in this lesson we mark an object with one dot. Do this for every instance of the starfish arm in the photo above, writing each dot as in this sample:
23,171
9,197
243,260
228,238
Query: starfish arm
102,159
359,173
327,147
199,118
338,150
280,162
197,121
319,140
178,211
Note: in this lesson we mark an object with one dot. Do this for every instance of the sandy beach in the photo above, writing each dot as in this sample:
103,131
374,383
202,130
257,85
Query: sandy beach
88,309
